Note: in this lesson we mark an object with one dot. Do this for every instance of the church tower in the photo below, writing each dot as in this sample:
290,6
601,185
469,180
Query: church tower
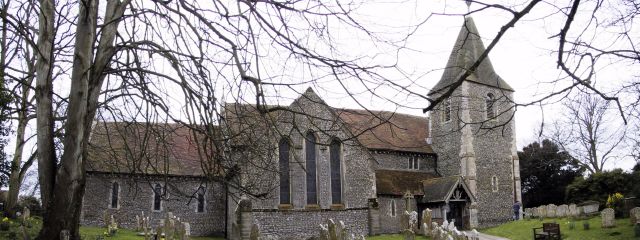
473,130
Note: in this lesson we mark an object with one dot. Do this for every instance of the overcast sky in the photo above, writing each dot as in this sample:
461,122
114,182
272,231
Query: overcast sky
524,58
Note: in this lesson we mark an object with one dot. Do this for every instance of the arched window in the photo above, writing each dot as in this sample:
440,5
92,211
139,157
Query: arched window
392,208
494,183
446,110
200,200
115,191
335,151
310,149
414,162
285,185
157,197
490,106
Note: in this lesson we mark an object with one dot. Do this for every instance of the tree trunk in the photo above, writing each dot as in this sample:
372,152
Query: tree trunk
15,179
66,204
44,107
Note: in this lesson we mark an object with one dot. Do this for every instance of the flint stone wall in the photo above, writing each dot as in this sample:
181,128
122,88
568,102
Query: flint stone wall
395,161
389,223
302,224
136,195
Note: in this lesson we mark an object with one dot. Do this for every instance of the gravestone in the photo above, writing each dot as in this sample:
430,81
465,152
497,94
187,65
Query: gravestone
636,229
562,210
542,211
65,235
634,215
407,234
534,212
255,233
413,221
580,211
475,235
451,226
425,229
426,218
551,210
443,234
324,232
333,231
608,218
404,220
343,231
434,229
435,233
590,207
573,210
26,214
187,229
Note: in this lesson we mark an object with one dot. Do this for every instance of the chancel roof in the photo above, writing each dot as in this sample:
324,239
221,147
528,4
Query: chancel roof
467,49
153,148
383,130
398,182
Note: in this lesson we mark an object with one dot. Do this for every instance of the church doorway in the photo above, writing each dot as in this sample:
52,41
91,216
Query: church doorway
456,213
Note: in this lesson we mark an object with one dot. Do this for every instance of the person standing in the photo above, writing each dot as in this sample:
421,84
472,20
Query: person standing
516,210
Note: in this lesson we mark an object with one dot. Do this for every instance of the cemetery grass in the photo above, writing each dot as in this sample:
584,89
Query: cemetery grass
518,230
393,237
87,233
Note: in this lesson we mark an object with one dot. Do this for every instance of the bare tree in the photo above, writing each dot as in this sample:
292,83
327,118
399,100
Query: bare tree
589,132
143,58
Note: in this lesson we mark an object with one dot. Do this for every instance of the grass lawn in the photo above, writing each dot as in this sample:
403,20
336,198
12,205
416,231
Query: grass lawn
394,237
87,233
523,229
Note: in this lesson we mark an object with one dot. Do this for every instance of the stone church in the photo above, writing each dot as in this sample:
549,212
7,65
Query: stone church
293,168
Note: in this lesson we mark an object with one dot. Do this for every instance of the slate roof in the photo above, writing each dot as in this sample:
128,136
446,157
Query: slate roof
383,130
467,49
440,189
149,148
396,182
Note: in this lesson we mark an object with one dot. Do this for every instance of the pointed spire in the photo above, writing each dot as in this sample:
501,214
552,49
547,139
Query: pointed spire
467,49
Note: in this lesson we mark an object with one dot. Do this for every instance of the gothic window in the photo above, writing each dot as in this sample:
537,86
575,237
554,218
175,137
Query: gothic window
157,197
494,183
285,186
414,162
310,149
336,183
392,208
115,191
200,200
490,106
446,110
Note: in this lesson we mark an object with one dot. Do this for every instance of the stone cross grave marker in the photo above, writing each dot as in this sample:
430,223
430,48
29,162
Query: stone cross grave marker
608,218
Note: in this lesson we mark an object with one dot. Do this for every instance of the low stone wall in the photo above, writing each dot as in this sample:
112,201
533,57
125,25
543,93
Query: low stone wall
302,224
